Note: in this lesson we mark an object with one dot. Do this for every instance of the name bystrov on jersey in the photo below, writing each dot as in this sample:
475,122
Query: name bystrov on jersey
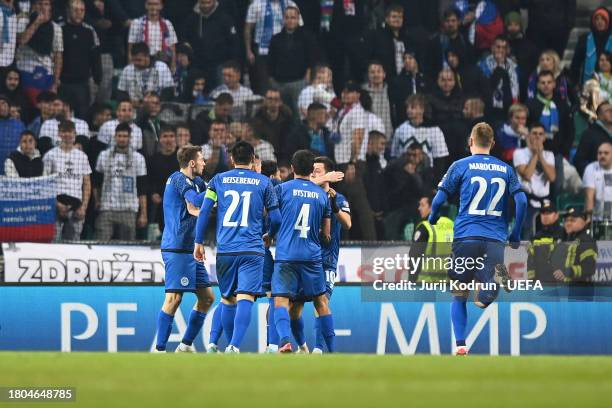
445,286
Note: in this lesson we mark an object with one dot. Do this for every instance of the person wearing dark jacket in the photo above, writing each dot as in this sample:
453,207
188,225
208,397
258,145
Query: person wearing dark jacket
550,22
273,120
26,160
81,59
12,88
542,244
600,131
447,37
548,110
212,35
522,48
374,179
290,57
591,45
469,79
446,100
388,44
159,167
311,134
410,81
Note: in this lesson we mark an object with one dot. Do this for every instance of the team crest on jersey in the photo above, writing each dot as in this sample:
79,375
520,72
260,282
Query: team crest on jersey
184,281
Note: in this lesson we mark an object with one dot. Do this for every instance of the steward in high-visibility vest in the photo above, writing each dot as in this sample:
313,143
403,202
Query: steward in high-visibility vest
434,242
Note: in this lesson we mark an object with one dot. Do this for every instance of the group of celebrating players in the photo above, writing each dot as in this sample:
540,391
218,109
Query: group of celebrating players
305,216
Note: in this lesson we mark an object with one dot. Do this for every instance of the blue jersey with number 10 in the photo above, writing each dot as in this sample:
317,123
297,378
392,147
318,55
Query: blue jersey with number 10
303,206
484,185
241,197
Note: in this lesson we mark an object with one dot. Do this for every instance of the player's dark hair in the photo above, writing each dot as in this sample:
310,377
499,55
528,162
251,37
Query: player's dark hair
243,153
140,48
303,162
124,127
483,135
268,167
66,126
328,163
186,154
224,98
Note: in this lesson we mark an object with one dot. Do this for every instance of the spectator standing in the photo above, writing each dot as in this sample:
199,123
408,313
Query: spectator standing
311,134
49,131
449,36
536,169
549,61
100,15
26,160
231,84
597,181
550,22
446,100
155,31
263,149
145,75
548,110
349,126
290,57
120,189
8,40
468,77
212,35
599,132
429,138
73,183
513,133
159,167
523,49
39,56
44,104
591,45
10,130
264,19
124,114
81,59
388,44
502,73
221,110
379,93
273,120
149,122
409,82
215,151
320,90
374,179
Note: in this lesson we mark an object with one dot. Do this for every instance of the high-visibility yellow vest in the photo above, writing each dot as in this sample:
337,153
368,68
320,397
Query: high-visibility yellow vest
440,238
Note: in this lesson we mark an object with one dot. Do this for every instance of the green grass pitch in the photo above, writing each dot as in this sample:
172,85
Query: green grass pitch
251,380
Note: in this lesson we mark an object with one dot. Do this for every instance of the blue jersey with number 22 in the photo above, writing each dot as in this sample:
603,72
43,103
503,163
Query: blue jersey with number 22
484,185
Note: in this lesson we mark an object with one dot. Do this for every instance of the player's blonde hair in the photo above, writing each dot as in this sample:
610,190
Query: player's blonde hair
482,135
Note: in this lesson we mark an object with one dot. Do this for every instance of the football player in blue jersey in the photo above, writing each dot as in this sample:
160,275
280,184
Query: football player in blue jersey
183,195
484,185
241,196
298,270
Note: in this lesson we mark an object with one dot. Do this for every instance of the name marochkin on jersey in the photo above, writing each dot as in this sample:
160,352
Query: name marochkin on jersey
484,184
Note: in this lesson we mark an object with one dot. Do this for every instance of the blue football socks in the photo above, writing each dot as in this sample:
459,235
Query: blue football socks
216,328
319,340
241,322
228,314
327,330
297,328
196,320
164,328
272,333
459,319
283,327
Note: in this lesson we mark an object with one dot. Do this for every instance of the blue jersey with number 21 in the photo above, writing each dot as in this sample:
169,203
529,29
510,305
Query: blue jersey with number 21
484,185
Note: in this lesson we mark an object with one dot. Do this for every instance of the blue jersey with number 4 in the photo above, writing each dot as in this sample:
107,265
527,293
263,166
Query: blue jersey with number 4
241,196
303,206
484,185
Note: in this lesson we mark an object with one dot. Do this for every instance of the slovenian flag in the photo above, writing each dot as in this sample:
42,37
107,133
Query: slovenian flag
27,209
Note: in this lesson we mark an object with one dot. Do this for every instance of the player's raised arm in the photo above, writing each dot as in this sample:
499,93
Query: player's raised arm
342,211
210,198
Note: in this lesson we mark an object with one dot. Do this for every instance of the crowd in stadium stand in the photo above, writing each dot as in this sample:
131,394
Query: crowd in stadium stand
103,92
